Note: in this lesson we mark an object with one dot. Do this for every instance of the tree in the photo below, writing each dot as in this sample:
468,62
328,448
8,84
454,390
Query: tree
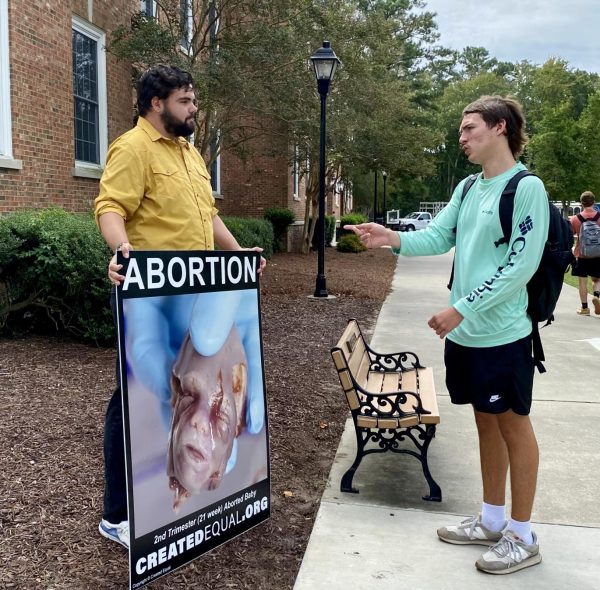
556,100
249,61
587,167
375,120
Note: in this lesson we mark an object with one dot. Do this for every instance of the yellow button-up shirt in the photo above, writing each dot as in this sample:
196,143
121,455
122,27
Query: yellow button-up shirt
162,190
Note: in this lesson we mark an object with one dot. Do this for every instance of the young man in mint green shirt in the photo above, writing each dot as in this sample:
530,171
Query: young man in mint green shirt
488,351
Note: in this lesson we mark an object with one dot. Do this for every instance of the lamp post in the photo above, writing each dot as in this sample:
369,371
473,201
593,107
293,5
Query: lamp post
375,198
385,175
325,63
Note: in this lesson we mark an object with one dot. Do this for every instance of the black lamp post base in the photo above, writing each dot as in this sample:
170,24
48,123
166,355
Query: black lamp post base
321,289
321,283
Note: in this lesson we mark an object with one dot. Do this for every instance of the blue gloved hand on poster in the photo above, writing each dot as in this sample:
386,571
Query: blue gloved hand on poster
156,327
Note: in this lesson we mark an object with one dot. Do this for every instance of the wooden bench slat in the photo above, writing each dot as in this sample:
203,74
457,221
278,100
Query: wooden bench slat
356,358
363,371
338,360
374,382
353,400
409,380
387,423
391,382
409,383
351,331
366,421
428,397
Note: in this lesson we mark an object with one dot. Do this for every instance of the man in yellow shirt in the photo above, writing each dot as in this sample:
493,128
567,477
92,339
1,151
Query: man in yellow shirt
155,194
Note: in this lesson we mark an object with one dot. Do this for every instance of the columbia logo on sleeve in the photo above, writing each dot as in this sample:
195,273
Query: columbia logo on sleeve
526,225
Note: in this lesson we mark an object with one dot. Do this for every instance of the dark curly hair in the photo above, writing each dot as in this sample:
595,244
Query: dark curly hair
494,109
160,81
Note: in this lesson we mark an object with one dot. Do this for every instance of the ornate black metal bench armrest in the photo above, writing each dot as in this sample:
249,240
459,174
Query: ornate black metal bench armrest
393,361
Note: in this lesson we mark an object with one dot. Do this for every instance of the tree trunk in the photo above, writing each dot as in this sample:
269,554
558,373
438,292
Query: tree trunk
311,212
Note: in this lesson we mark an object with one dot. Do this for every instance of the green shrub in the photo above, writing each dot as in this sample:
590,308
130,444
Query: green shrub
350,243
53,275
280,218
353,219
251,232
350,219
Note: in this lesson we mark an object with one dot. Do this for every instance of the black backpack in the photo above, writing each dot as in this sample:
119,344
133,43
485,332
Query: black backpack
544,287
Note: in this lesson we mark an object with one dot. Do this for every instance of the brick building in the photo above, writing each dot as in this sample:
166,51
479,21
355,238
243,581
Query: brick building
63,99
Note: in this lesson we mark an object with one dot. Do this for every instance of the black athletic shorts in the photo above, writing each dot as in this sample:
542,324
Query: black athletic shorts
493,379
586,267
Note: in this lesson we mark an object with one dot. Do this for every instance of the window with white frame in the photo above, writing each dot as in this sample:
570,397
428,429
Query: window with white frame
296,173
214,23
339,189
148,7
306,173
215,168
186,24
5,110
89,94
348,196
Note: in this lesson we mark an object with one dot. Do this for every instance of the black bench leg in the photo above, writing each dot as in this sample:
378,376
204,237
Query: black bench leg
435,492
346,485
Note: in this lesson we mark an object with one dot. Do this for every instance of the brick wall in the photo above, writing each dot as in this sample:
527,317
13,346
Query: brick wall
42,102
250,186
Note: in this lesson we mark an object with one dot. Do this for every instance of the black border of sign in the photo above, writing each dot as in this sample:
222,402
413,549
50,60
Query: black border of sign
228,518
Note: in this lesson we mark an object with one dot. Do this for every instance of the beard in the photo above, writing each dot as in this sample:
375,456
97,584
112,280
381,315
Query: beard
176,127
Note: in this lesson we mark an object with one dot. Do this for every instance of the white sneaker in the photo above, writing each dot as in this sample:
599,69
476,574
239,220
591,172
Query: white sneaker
115,532
509,555
469,532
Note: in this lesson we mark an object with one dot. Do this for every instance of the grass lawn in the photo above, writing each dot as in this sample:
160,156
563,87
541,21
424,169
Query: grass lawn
574,281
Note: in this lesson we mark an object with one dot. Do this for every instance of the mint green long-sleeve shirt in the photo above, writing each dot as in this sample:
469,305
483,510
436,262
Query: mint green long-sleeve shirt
489,288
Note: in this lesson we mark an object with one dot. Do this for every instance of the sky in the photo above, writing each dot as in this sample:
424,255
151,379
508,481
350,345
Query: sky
514,30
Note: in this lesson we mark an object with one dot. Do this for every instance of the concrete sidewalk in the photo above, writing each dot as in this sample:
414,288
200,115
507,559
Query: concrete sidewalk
384,537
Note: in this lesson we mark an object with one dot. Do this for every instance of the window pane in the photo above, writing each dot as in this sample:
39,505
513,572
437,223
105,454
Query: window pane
215,166
85,91
148,7
185,13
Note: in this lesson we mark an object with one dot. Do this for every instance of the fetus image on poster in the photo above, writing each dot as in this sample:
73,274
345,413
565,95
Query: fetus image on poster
208,400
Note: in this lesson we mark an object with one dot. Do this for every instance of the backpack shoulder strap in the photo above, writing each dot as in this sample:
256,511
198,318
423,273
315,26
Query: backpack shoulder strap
507,205
538,351
582,218
596,217
468,184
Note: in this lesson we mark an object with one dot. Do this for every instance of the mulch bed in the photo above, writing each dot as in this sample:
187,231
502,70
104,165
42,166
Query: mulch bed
54,393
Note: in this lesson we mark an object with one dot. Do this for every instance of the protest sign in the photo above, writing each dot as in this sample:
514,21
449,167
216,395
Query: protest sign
194,404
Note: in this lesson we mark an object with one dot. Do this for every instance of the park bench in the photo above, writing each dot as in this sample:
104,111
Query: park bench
392,401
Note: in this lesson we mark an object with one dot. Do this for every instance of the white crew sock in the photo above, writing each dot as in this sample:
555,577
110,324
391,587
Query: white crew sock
521,529
493,517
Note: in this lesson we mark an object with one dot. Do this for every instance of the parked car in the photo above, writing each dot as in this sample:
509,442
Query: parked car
412,222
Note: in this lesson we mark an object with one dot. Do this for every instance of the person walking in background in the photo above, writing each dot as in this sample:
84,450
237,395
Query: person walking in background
488,348
587,252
